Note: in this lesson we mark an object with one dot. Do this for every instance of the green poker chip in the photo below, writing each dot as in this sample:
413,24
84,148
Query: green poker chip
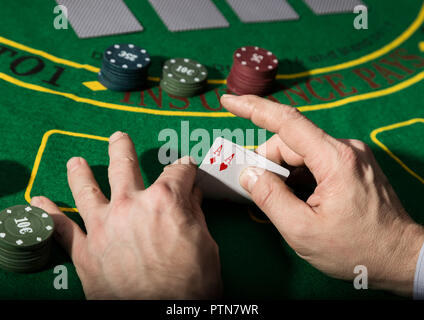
25,238
183,77
25,226
185,71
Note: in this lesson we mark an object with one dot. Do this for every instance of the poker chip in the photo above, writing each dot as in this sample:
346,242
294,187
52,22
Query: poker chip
183,77
253,71
124,67
25,238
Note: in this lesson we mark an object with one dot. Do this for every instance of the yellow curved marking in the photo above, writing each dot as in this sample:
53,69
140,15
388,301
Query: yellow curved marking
375,132
421,46
39,156
366,96
48,56
374,55
112,105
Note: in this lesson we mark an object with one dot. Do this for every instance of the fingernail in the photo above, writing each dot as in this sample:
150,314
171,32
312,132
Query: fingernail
115,136
249,176
73,163
227,96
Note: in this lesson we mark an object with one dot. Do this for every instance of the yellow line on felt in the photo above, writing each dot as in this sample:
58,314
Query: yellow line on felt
374,55
39,156
421,46
378,53
375,132
107,105
48,55
366,96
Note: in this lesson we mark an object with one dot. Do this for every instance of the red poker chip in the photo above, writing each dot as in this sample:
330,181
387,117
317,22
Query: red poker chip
238,86
253,77
256,59
241,88
253,71
250,80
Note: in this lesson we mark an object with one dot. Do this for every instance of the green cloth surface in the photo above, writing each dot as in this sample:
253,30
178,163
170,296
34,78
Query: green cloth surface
348,101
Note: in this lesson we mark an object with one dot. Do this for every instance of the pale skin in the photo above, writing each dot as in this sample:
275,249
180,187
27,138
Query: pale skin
353,216
142,243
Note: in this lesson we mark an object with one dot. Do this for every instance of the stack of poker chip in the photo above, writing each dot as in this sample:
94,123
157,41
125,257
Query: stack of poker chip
253,71
183,77
124,67
25,238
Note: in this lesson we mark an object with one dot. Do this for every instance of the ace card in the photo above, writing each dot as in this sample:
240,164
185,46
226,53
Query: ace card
219,172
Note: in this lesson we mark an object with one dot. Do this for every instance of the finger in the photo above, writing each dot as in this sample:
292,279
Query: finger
277,151
275,199
124,171
180,175
67,232
295,130
85,190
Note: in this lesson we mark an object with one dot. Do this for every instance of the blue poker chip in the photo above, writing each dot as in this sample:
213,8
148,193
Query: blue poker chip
124,67
126,57
119,85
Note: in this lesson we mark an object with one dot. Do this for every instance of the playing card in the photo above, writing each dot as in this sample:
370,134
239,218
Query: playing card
332,6
95,18
263,11
185,15
219,172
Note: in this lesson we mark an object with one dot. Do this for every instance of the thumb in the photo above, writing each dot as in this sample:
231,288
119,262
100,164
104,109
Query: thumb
275,199
67,232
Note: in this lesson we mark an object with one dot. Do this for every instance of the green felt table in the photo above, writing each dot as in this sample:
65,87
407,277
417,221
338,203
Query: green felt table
362,84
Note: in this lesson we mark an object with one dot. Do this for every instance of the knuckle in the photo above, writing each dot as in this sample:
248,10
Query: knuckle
87,193
293,113
348,156
122,161
251,101
172,166
162,193
359,144
121,202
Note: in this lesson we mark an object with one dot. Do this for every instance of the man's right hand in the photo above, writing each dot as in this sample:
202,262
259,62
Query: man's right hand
353,217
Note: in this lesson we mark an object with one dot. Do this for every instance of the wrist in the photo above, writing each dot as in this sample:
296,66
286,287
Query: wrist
401,260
